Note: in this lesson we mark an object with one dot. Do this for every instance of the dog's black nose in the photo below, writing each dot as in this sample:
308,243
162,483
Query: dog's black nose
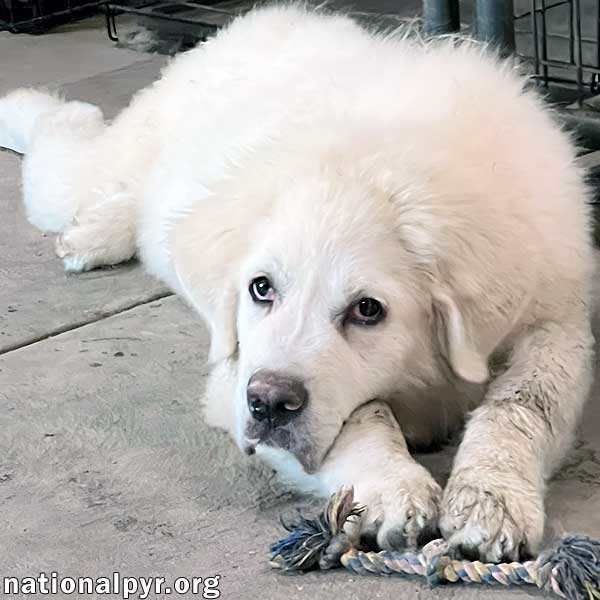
275,396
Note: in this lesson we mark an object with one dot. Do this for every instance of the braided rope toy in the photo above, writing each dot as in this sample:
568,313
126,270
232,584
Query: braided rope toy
571,570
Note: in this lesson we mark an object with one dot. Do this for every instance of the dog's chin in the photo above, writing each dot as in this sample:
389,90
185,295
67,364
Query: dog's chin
290,440
290,470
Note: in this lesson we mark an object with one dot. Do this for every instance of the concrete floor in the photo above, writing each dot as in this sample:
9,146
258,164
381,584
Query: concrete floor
105,462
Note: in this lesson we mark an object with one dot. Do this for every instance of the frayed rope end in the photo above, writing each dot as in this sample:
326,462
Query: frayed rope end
572,569
320,542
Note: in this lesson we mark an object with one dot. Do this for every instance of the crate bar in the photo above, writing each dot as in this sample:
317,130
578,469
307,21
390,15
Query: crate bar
579,53
544,42
114,8
441,16
563,65
565,36
151,12
534,31
527,13
597,34
555,79
111,25
571,40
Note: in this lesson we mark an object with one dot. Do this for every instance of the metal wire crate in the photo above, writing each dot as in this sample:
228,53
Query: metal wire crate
561,37
35,16
194,20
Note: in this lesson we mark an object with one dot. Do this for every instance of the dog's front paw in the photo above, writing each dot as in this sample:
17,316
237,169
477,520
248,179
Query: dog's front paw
493,517
401,509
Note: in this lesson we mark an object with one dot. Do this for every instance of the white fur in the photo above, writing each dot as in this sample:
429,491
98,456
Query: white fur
298,145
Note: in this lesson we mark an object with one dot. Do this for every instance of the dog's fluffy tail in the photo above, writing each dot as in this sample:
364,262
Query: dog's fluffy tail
55,135
19,112
25,113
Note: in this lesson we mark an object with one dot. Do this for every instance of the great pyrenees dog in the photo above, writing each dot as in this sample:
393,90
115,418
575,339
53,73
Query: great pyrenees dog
386,237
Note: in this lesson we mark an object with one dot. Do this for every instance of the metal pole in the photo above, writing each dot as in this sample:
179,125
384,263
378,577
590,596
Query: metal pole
579,55
441,16
494,23
536,48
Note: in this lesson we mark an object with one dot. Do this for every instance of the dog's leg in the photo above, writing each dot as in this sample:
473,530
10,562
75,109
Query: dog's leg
493,505
218,401
401,496
102,233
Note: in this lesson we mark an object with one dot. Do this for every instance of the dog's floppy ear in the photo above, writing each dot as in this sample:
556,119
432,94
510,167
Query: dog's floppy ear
219,312
205,251
457,339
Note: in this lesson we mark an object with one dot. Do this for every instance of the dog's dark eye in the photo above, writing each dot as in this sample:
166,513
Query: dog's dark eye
261,290
367,311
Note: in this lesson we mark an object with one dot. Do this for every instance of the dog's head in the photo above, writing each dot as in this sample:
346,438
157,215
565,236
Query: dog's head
322,302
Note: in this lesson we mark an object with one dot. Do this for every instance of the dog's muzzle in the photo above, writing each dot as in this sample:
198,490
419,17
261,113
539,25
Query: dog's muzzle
276,404
274,399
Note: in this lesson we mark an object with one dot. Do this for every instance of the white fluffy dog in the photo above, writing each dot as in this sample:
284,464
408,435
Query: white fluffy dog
383,235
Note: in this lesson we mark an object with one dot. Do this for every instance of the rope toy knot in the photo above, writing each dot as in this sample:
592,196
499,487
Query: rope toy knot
437,559
571,570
